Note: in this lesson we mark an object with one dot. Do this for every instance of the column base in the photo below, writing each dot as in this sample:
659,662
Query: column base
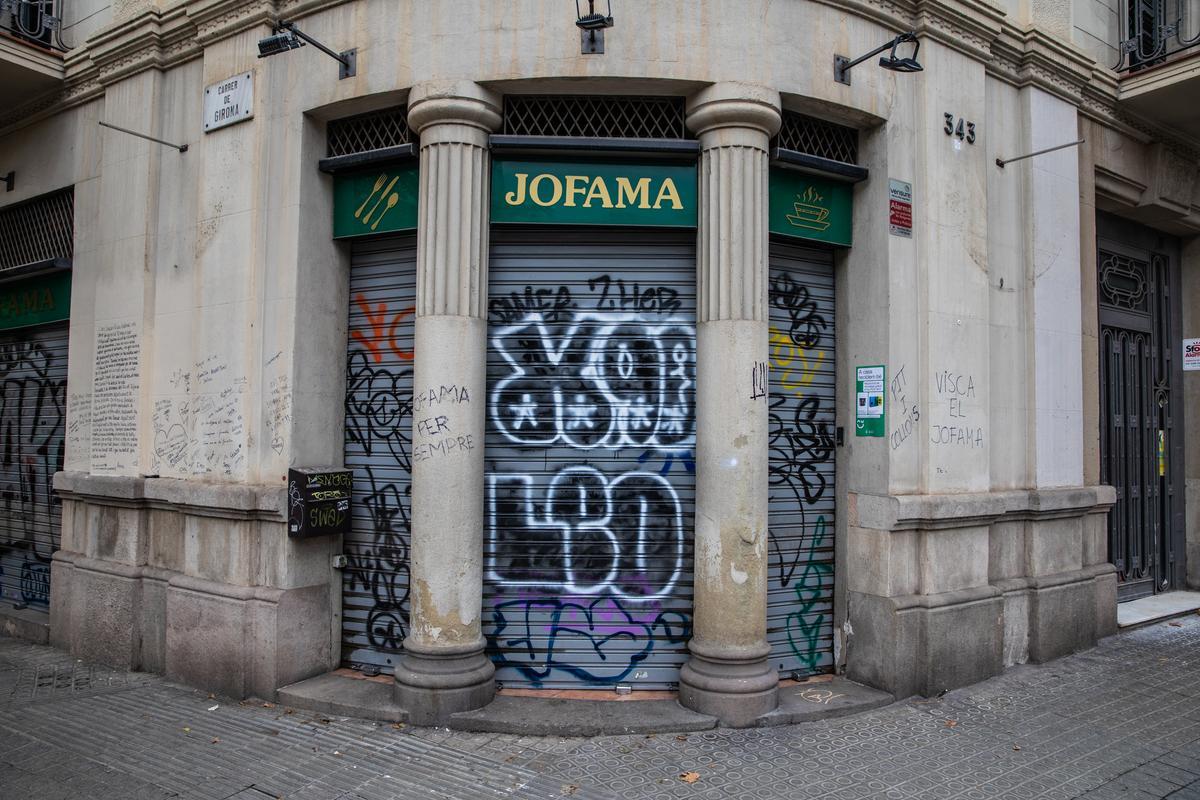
434,682
736,689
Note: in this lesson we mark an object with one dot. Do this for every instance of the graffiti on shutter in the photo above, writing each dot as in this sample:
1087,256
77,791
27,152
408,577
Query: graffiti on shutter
801,460
33,395
590,484
378,450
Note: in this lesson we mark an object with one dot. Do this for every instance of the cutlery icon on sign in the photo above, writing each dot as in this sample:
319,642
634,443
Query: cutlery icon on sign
393,198
378,183
367,218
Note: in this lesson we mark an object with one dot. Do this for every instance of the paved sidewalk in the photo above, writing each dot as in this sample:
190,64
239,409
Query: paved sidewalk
1119,721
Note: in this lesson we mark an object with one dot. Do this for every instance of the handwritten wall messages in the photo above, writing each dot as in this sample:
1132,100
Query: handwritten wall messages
278,412
79,428
201,431
114,397
907,412
954,392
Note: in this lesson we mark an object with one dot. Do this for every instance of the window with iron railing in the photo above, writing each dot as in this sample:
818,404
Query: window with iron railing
38,22
1152,31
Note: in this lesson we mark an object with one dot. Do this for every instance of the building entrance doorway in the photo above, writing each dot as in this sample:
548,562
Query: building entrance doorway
1141,405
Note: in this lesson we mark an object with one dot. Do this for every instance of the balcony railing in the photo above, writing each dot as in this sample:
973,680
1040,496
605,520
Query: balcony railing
33,21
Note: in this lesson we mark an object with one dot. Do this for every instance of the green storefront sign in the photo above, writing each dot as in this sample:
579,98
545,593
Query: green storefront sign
34,301
380,200
587,192
805,207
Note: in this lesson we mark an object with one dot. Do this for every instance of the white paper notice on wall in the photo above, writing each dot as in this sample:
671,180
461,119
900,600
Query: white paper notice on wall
228,101
1191,355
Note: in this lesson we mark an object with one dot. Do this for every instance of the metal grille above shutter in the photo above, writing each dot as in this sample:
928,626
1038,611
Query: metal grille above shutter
33,378
378,449
590,486
801,460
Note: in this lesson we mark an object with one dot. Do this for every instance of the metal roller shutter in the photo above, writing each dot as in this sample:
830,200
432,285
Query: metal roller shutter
378,448
33,368
800,573
590,480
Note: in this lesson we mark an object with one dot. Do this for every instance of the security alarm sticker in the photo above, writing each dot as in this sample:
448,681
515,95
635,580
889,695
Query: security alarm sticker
868,408
900,208
1191,355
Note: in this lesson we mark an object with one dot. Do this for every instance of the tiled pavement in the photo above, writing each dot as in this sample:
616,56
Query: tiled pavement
1119,721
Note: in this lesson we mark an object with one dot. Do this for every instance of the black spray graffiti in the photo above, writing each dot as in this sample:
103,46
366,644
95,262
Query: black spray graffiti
32,425
378,414
801,449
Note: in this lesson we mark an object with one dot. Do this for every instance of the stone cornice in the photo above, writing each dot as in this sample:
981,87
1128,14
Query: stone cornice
947,511
969,26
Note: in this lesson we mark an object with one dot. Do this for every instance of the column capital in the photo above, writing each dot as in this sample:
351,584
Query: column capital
733,106
454,103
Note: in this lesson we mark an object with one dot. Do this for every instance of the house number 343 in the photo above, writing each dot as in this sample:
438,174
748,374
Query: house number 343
961,129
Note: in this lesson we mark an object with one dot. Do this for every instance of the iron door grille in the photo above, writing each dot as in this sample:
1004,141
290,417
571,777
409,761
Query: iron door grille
801,460
590,480
1141,445
33,367
379,364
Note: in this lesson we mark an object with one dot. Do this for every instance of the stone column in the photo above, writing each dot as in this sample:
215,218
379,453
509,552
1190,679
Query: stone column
728,674
444,669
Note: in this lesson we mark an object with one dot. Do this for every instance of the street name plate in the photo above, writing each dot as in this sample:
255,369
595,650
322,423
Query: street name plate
228,102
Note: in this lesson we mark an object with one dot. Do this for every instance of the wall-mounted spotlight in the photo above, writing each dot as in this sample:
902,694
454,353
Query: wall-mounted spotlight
843,65
591,27
286,36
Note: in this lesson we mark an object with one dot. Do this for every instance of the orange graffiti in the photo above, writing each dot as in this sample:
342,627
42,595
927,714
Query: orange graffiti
798,364
383,330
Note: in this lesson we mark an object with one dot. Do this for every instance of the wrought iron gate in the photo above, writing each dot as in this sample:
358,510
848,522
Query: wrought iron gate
801,460
379,360
33,394
1141,409
590,479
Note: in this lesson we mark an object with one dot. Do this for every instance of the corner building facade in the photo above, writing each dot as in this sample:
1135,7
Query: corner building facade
678,366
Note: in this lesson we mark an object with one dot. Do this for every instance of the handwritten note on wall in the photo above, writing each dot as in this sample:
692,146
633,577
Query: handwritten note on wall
114,397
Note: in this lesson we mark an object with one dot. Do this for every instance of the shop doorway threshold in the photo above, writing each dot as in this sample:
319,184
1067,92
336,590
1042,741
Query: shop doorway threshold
344,692
1155,608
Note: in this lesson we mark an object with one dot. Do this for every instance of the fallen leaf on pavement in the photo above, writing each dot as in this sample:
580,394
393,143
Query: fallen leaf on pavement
398,725
1016,747
951,723
268,705
689,777
1175,624
569,788
187,730
216,740
681,738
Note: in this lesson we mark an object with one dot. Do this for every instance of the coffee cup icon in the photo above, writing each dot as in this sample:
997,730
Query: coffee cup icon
808,214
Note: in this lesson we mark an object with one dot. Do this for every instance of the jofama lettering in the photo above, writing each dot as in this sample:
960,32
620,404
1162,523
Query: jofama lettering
29,301
586,191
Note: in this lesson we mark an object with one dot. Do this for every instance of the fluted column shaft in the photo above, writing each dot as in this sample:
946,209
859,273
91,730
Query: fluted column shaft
444,668
728,674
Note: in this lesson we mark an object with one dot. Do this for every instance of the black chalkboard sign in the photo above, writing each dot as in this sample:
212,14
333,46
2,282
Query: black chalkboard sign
318,502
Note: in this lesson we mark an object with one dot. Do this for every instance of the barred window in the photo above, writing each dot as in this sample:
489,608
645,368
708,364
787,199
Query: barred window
816,137
365,132
38,230
595,116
